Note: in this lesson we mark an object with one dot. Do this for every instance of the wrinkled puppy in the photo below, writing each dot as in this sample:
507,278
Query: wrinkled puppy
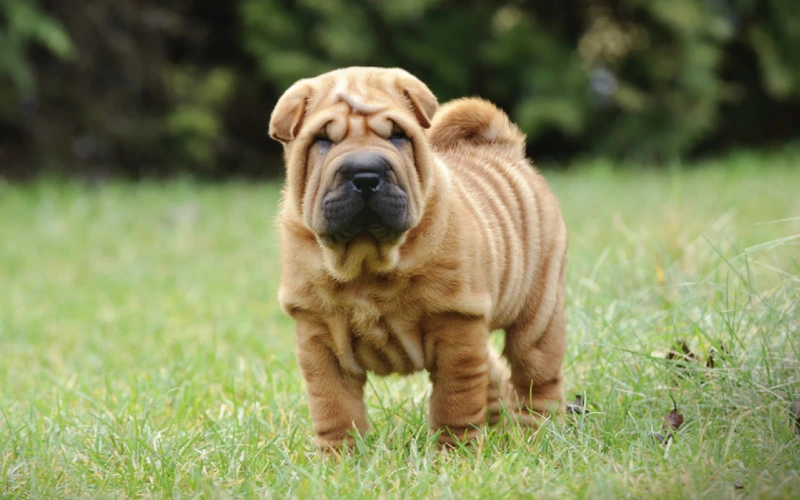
407,235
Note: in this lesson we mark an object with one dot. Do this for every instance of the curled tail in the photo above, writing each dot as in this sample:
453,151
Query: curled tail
474,121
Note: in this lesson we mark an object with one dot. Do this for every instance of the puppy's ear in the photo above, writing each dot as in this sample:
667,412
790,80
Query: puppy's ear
421,100
288,115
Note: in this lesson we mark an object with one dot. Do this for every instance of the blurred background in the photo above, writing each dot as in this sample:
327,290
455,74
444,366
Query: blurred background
148,89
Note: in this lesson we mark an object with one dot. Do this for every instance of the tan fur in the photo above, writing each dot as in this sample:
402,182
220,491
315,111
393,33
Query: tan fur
487,251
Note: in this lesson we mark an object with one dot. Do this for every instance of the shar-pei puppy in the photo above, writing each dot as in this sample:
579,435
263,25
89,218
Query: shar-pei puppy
407,235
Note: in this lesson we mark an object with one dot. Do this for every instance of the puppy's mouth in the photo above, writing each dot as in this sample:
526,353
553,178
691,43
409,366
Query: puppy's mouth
365,202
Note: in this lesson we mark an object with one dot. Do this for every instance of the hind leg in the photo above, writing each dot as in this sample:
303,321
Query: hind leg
500,391
535,348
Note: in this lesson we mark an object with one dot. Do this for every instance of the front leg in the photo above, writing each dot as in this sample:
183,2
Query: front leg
460,376
335,396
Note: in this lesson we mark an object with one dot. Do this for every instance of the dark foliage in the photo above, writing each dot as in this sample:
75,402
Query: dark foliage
147,88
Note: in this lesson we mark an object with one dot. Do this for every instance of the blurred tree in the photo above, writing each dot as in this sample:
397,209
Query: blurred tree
634,79
193,127
26,24
149,88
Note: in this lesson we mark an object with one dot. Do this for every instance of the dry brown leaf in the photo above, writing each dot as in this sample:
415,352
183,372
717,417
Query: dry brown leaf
577,407
681,351
673,420
711,362
659,438
682,356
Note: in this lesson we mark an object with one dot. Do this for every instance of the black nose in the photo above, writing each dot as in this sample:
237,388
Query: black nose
366,181
364,171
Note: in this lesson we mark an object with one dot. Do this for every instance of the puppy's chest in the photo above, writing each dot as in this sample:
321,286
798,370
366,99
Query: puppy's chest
373,331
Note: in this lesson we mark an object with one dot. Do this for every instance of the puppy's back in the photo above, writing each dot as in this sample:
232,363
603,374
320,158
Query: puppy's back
507,198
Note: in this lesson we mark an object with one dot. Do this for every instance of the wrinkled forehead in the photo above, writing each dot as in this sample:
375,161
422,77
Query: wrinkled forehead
351,101
366,92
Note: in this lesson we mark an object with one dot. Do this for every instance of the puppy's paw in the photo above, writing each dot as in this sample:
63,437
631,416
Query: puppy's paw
334,444
451,437
534,413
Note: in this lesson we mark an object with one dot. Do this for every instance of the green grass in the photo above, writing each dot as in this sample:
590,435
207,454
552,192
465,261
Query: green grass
143,352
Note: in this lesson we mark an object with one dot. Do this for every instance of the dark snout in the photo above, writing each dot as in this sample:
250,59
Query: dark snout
366,172
364,199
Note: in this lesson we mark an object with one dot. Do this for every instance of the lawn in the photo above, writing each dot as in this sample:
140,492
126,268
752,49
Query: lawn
143,352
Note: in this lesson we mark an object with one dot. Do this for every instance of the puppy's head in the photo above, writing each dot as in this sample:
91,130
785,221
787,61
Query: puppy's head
358,164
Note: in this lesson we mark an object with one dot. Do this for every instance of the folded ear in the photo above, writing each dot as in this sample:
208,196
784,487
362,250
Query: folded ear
420,98
287,117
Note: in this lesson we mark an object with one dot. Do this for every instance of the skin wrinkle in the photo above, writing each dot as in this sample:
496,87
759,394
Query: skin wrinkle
344,347
526,224
477,212
484,249
503,219
488,217
521,207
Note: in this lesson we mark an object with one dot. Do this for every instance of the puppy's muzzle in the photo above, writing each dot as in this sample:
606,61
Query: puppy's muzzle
364,200
365,172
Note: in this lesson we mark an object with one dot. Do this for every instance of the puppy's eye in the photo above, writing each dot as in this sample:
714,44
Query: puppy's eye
398,137
324,144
